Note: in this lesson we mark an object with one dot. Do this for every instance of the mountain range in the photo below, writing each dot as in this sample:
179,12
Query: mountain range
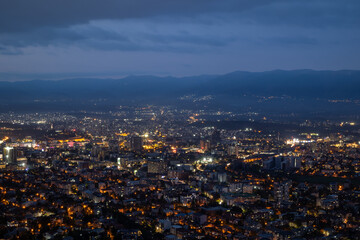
236,87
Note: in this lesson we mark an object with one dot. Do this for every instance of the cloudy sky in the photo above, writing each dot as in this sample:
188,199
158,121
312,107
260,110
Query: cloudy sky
65,38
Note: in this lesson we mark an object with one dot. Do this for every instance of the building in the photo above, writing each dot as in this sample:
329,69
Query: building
157,166
294,162
205,145
282,163
222,177
233,150
121,161
281,193
9,155
136,143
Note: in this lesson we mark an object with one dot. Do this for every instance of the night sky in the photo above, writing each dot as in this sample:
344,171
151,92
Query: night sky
66,38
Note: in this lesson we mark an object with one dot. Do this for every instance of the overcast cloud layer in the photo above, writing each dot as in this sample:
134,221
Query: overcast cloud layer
112,37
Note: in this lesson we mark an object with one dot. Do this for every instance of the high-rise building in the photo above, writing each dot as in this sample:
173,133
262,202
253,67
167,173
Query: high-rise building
282,163
222,177
9,155
294,162
113,145
205,145
281,192
136,143
233,150
122,163
157,166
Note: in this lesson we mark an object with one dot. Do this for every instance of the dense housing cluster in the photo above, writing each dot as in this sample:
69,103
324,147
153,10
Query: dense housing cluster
161,173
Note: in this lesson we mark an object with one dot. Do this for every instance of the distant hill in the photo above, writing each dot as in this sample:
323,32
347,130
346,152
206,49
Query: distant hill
134,87
297,84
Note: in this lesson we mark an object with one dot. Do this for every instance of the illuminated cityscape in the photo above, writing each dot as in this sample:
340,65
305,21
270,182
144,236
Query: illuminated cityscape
179,120
149,175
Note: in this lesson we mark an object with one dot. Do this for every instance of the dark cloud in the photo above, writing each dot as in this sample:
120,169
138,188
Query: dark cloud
127,39
206,33
42,22
24,15
294,40
314,13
